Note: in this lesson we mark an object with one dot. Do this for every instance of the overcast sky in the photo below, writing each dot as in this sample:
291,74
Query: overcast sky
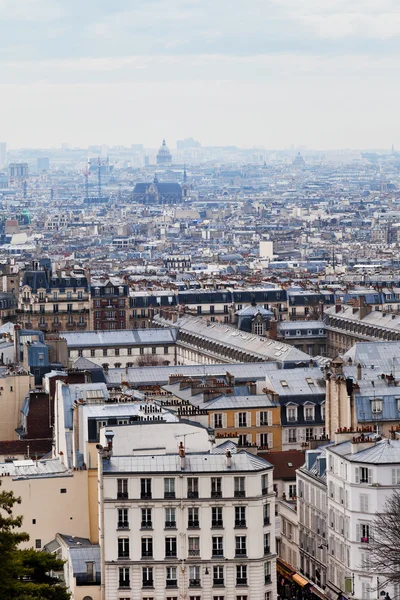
320,73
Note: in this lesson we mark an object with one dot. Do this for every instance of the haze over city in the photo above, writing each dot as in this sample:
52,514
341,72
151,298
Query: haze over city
270,73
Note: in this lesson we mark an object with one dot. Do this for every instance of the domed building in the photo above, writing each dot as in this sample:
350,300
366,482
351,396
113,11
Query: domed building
164,156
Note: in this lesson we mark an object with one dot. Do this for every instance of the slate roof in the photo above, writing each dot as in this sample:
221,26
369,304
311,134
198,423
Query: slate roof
285,463
382,452
125,337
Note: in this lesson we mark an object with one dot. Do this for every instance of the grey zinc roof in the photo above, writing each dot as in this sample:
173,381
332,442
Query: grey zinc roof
294,325
222,402
194,463
384,355
382,452
160,375
125,337
32,468
257,346
298,382
126,409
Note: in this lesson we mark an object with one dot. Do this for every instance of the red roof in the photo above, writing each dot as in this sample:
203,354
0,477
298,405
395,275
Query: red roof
18,447
285,462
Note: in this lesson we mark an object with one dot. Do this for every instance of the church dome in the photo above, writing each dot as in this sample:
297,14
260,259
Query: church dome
164,155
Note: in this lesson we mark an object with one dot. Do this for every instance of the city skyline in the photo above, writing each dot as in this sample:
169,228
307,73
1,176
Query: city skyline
270,74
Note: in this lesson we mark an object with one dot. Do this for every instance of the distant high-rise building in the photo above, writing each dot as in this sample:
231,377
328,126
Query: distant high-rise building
164,155
18,171
187,144
43,164
3,154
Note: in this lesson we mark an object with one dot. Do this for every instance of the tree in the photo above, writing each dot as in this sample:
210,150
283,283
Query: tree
384,546
24,574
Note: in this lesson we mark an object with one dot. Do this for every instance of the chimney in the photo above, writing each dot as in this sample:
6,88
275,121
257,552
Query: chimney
228,455
359,372
182,455
273,329
109,437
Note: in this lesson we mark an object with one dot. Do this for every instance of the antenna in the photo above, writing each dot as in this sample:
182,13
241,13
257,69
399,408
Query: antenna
86,174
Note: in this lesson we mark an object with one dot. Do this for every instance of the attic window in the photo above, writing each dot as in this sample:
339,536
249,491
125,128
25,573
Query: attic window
290,464
377,406
284,384
310,381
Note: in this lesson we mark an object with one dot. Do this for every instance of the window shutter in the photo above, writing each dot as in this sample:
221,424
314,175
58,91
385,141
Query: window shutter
258,440
270,440
369,476
270,418
248,419
249,438
358,534
257,419
236,419
303,434
224,420
357,475
286,435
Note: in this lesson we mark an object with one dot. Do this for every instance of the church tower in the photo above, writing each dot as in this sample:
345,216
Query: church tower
185,186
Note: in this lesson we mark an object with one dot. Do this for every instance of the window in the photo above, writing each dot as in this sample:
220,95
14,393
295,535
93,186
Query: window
38,544
267,572
147,547
147,577
239,487
240,545
170,518
170,547
309,434
193,487
91,571
145,488
129,351
141,351
199,309
264,485
63,490
364,502
194,576
166,349
154,350
309,413
171,578
216,517
55,308
123,522
69,308
396,476
93,352
291,413
377,406
80,296
80,352
267,545
124,579
146,519
122,488
292,490
69,295
169,487
116,351
363,475
104,351
242,419
194,546
241,574
56,320
292,435
216,487
218,575
193,517
55,296
323,412
266,514
241,597
265,418
363,532
218,420
123,548
240,516
217,546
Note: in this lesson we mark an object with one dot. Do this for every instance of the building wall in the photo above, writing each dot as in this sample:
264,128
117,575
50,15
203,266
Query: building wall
53,511
125,356
13,390
253,430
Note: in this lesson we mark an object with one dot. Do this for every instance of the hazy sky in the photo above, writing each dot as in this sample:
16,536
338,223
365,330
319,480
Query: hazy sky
323,73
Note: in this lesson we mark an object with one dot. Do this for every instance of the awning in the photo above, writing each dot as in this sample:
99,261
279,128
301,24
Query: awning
318,592
284,568
300,580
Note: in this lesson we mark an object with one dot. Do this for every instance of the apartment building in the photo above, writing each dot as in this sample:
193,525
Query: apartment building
308,336
109,304
235,411
301,395
361,475
181,517
15,384
54,300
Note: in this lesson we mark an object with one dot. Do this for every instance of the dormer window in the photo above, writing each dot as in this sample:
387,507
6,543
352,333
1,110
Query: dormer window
309,413
377,405
291,413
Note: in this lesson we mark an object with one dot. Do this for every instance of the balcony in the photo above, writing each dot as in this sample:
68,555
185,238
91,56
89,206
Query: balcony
217,552
146,525
123,525
241,581
170,495
364,540
267,550
240,494
145,496
170,554
147,553
194,552
267,579
193,524
170,524
193,494
121,495
240,524
124,584
147,583
264,491
267,521
216,494
194,583
218,583
171,583
123,554
217,524
82,325
240,552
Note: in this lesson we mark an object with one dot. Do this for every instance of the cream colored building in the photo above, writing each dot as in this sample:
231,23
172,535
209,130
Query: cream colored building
15,384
